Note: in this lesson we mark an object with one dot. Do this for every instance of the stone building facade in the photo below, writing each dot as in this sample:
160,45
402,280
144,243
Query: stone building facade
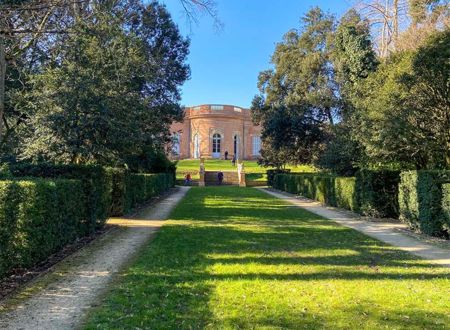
208,131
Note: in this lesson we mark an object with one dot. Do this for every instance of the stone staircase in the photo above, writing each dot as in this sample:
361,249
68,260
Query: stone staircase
229,178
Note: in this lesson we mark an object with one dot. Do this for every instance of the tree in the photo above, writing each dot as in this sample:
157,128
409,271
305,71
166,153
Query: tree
298,97
353,60
404,116
111,89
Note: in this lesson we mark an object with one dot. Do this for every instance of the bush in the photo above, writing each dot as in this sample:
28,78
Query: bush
97,187
345,190
132,189
327,189
377,192
37,218
446,205
271,175
420,200
371,193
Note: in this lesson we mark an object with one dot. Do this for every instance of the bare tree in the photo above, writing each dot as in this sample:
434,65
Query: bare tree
396,22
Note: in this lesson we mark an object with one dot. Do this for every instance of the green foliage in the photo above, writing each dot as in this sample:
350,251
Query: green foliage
403,109
271,175
96,180
345,193
105,92
297,99
327,189
132,189
446,206
420,201
378,192
353,55
372,193
37,218
341,154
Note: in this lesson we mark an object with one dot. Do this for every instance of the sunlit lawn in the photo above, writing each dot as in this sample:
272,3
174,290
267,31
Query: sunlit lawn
253,170
236,258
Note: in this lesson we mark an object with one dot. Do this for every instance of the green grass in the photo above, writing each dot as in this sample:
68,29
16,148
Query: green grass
254,172
237,258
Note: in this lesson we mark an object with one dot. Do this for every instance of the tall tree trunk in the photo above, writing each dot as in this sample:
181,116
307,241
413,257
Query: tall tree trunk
2,82
395,23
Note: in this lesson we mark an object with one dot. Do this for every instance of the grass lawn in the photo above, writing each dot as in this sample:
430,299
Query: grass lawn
237,258
254,172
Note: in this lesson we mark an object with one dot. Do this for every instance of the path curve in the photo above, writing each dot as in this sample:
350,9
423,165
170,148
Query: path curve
63,304
383,231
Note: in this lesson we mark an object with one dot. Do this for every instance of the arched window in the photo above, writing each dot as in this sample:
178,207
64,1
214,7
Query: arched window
256,145
176,144
216,143
196,146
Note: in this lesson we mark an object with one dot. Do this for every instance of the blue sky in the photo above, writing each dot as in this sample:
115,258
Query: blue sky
225,63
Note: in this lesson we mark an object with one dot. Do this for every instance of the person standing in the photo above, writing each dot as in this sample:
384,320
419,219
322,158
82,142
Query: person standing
226,155
220,177
233,161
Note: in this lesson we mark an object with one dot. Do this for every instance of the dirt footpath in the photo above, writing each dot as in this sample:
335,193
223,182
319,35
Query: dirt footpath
61,298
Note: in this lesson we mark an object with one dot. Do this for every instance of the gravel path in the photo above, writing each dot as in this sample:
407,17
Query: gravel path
75,285
383,231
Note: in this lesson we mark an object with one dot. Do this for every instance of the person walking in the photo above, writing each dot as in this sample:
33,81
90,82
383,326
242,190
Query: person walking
233,161
220,177
226,155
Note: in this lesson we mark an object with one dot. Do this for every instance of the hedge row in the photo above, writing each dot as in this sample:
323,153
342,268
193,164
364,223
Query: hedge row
37,218
132,189
44,207
424,201
96,181
364,193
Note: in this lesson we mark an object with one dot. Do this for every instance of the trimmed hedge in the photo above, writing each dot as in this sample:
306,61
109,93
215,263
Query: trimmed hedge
377,192
421,201
327,189
446,206
271,175
132,189
364,193
37,218
97,187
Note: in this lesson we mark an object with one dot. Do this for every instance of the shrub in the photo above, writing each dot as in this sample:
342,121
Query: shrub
377,192
446,206
420,200
37,218
370,192
97,187
345,190
132,189
271,175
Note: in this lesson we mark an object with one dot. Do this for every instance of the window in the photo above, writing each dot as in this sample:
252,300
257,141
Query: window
217,107
256,145
216,143
196,146
176,144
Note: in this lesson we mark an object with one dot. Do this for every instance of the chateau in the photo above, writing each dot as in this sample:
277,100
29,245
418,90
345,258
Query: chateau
208,131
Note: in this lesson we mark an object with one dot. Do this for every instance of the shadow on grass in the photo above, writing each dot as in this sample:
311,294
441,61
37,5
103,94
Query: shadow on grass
224,242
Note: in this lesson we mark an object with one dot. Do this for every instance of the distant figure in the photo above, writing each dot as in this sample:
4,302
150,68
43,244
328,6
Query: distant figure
226,155
233,161
220,177
187,179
